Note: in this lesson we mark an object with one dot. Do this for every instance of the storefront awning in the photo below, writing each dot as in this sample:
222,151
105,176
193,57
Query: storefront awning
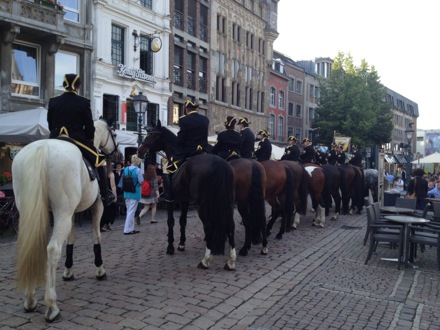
390,159
401,159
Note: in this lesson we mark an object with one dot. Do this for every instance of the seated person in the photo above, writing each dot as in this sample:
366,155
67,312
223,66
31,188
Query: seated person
433,190
398,184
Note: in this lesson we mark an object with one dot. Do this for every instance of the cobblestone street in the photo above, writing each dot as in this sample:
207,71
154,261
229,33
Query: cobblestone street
311,279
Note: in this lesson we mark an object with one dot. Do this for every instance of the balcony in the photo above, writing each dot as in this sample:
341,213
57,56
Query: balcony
202,85
48,14
203,32
191,26
190,79
178,78
178,20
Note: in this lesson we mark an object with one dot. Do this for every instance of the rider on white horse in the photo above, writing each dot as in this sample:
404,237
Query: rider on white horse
70,114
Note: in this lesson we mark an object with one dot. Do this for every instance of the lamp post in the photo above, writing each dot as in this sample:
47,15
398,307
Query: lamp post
140,103
409,133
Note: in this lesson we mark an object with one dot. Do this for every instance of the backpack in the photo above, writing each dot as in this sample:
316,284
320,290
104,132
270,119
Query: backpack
146,188
127,183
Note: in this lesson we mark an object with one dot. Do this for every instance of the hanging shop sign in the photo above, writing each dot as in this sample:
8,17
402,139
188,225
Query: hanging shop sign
136,74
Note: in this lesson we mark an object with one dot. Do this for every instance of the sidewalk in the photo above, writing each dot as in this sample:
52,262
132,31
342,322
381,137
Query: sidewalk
311,279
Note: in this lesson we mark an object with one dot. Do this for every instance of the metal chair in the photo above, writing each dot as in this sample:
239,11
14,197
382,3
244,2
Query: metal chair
406,203
382,231
424,235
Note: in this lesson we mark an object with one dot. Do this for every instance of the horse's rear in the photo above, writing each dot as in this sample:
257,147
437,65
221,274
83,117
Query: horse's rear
209,181
316,189
47,176
250,185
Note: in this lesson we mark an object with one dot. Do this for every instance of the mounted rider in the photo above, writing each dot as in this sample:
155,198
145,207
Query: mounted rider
192,140
356,160
332,157
264,150
247,144
228,141
291,152
341,155
308,153
70,115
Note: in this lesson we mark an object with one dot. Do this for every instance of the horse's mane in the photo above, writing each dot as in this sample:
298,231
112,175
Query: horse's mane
169,137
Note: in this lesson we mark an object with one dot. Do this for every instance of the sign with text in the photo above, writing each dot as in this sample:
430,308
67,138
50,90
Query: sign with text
136,74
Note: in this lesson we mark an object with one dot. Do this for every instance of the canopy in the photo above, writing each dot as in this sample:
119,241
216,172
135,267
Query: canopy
431,159
126,138
24,126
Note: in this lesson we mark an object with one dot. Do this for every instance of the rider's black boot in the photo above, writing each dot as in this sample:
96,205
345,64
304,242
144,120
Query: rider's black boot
167,187
106,194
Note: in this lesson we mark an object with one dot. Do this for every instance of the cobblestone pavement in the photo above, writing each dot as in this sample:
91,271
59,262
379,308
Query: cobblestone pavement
311,279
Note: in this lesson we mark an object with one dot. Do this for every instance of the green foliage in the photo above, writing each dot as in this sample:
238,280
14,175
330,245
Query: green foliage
352,103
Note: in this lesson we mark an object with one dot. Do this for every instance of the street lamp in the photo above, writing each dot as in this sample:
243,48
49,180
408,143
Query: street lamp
409,133
140,103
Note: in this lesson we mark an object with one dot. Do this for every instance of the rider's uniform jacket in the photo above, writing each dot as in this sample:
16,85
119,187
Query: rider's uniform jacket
192,137
308,155
228,143
291,153
341,158
357,159
247,143
264,150
71,114
332,157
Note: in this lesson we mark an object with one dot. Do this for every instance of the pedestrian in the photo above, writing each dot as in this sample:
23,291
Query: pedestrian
418,186
151,200
247,143
132,198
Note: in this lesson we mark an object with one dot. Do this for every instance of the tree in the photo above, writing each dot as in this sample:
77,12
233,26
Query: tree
352,102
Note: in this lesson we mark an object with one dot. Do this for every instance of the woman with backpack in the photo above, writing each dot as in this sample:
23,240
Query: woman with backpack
150,194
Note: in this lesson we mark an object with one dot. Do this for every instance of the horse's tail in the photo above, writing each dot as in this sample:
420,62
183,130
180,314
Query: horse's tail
303,192
256,205
359,186
289,200
31,192
326,195
220,206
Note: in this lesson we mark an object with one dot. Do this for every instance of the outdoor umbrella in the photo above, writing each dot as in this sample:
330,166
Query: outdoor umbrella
431,159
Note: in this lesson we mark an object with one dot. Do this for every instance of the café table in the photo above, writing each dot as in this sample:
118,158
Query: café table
396,210
405,220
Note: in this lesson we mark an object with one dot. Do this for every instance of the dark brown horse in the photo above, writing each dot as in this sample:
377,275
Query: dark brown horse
332,190
208,180
250,186
316,184
352,187
279,194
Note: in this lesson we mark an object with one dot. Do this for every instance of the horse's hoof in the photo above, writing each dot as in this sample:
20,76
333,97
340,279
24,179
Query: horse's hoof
264,251
170,250
243,252
201,266
294,227
268,232
333,218
52,315
101,277
68,279
279,236
32,308
181,248
227,267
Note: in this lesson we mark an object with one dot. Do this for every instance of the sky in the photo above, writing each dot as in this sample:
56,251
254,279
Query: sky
398,37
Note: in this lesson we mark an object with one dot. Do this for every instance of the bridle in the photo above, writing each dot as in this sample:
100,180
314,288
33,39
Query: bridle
110,135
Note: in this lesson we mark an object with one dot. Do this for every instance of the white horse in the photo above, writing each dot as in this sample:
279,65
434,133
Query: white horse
51,175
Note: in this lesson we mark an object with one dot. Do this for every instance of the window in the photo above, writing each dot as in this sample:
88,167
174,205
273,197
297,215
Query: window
25,72
203,67
272,96
146,55
71,9
147,4
262,102
311,113
272,124
203,25
280,128
298,111
312,91
316,91
190,70
299,87
281,100
290,112
178,65
220,91
291,85
64,63
117,45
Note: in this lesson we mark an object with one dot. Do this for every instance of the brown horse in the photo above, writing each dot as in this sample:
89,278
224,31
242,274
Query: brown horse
316,180
250,185
352,187
279,194
206,179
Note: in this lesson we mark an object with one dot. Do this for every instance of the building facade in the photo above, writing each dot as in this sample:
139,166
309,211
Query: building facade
278,97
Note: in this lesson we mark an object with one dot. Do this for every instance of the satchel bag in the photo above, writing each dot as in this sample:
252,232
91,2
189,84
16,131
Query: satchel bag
127,183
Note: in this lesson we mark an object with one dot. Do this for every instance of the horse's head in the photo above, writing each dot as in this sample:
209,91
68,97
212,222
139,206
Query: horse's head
105,138
154,141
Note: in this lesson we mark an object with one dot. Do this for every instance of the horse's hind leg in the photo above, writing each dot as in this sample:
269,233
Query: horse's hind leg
30,301
97,210
170,223
182,221
232,257
242,209
61,231
68,270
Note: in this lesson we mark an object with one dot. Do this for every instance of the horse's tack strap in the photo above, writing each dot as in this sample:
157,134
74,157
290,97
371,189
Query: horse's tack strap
98,162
